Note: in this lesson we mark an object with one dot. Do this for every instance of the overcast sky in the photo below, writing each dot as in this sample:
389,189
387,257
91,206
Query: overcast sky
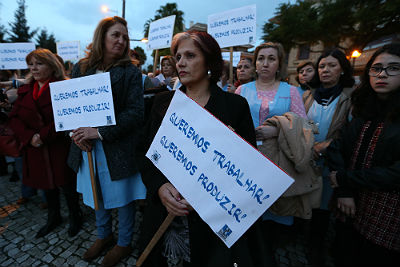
71,20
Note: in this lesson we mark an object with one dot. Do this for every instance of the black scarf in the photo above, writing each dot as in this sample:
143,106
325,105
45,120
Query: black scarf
326,94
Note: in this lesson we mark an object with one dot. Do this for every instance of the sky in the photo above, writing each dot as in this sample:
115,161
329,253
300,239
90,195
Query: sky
73,20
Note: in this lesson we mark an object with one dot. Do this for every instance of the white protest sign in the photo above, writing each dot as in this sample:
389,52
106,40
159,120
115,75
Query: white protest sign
228,182
12,55
82,102
69,50
227,56
233,27
160,33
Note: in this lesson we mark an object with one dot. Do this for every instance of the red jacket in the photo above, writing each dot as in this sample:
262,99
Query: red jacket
44,167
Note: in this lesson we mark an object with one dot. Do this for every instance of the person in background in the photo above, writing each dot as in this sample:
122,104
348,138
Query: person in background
269,96
245,71
224,80
365,166
146,81
199,65
45,151
113,147
328,106
305,73
168,74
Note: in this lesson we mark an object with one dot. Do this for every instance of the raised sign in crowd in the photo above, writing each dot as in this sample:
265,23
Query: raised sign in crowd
220,168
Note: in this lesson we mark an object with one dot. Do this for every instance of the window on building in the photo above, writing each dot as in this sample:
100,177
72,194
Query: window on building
304,51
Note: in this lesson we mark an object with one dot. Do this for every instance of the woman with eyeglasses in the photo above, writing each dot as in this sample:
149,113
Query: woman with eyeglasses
365,165
328,105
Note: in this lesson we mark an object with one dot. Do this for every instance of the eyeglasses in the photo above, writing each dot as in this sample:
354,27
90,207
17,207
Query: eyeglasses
390,70
309,70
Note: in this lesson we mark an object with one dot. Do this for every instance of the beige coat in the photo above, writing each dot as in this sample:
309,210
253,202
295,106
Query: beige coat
292,150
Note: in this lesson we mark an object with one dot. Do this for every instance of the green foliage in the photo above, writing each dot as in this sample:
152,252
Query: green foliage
332,22
20,31
164,11
44,40
141,53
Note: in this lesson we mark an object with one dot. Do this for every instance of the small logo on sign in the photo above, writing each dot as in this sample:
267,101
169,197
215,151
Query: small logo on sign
60,125
155,157
224,232
250,39
109,120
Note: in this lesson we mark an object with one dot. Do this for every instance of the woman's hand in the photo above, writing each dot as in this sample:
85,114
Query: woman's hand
332,177
36,141
320,148
85,145
264,132
84,133
5,104
173,201
347,206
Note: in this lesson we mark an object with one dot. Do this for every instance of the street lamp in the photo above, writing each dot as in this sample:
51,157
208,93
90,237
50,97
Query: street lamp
355,54
143,40
105,9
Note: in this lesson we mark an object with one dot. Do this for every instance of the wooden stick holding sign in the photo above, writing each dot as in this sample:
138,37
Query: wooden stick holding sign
164,226
231,65
155,63
93,180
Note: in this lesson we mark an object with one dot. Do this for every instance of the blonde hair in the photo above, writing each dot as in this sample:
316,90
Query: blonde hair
281,73
47,57
95,51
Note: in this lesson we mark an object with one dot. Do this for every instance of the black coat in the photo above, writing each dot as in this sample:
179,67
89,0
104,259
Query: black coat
120,140
384,174
206,249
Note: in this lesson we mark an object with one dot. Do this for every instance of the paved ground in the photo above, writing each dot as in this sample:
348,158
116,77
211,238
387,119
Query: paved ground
19,247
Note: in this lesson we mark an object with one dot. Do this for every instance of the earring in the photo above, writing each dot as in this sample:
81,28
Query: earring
342,73
209,72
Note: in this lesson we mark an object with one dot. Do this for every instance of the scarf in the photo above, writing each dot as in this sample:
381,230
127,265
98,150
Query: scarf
324,96
38,92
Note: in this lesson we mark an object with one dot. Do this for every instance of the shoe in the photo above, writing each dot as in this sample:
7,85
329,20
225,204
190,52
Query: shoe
115,255
14,177
43,205
22,200
75,224
99,245
50,226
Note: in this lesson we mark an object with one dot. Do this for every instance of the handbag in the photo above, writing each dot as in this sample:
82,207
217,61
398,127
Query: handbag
9,144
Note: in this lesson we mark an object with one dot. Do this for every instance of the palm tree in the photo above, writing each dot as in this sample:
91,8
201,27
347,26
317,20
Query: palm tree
164,11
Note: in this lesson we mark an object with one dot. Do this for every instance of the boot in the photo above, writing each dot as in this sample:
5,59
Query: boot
116,254
75,214
99,246
53,213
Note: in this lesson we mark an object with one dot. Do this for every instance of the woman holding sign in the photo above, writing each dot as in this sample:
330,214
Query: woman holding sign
113,147
199,65
45,151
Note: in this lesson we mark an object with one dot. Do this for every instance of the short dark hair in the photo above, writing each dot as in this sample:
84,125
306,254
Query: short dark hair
365,97
208,46
346,80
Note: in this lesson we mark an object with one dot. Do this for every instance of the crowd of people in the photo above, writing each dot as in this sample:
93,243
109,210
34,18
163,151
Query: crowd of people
337,140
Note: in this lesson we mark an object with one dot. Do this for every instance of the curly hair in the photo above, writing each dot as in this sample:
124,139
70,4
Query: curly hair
364,97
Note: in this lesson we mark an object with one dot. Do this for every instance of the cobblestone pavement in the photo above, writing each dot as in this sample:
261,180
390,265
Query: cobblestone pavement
20,223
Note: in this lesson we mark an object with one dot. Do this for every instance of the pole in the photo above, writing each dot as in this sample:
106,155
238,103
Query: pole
123,8
155,62
93,181
154,240
231,65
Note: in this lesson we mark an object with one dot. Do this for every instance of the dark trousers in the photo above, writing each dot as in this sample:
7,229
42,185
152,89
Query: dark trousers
352,249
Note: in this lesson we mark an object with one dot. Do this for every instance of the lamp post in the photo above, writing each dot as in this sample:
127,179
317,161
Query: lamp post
355,54
143,40
105,9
